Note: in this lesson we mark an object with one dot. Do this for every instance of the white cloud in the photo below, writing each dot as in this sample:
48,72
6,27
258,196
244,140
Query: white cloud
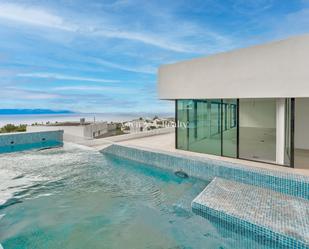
137,69
22,94
33,16
64,77
168,39
146,38
119,90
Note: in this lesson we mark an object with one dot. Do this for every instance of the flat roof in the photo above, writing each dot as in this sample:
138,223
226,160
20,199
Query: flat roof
273,70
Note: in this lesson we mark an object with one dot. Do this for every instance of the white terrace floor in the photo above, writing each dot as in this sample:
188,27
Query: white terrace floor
166,143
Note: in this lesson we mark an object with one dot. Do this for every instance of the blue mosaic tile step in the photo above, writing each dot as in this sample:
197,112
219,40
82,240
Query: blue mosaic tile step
277,217
207,169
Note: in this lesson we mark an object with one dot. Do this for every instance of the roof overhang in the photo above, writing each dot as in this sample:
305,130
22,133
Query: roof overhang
274,70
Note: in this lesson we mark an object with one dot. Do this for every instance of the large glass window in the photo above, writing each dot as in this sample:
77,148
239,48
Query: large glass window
244,128
257,129
211,126
182,109
229,131
289,135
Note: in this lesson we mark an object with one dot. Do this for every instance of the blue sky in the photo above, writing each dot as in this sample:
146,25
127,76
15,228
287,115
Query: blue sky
102,56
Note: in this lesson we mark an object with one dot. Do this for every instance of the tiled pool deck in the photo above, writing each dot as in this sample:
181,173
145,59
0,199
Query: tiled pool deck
273,200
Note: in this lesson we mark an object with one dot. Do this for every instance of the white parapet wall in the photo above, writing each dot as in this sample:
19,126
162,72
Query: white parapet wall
12,142
119,138
88,131
73,130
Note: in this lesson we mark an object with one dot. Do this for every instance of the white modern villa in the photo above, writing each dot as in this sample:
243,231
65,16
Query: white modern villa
251,103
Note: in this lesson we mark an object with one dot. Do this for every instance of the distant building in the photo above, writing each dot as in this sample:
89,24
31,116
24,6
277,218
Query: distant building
82,129
146,124
95,129
136,125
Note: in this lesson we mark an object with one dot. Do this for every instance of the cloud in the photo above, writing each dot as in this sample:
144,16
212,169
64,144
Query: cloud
297,22
110,89
252,7
40,17
136,69
64,77
25,94
33,16
173,38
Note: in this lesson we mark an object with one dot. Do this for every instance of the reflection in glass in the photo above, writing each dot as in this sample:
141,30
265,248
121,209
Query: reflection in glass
229,133
211,126
182,109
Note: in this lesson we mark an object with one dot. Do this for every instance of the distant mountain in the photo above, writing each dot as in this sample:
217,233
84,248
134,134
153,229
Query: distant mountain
32,111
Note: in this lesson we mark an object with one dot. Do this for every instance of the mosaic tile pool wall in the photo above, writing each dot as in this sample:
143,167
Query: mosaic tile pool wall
13,142
273,218
261,234
203,168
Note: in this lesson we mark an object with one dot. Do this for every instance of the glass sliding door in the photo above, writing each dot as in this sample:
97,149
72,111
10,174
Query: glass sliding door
229,128
212,143
200,134
211,126
204,127
244,128
196,127
257,129
182,109
289,132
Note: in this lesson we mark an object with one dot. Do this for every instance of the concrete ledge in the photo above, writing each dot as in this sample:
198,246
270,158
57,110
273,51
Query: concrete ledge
119,138
275,217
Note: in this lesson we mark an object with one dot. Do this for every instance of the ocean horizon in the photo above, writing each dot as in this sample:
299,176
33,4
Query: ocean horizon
29,119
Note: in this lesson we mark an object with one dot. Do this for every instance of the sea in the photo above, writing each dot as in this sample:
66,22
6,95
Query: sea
72,117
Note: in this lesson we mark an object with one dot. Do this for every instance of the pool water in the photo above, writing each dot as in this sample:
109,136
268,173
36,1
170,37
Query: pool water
74,197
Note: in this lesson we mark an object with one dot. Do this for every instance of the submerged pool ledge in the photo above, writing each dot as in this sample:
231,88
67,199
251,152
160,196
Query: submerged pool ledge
269,216
207,169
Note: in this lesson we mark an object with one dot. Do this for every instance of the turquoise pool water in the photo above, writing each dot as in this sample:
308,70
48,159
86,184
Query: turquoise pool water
73,197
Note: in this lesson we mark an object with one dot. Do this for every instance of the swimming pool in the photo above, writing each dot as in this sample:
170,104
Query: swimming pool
74,197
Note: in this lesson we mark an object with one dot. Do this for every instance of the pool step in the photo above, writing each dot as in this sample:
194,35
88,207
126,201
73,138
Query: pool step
273,216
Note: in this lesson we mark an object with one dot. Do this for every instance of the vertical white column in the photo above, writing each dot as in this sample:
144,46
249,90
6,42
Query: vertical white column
280,130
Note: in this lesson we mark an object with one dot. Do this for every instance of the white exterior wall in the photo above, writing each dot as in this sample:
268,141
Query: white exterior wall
71,130
94,130
274,70
77,131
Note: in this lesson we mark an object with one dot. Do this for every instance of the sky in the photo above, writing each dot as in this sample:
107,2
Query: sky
102,56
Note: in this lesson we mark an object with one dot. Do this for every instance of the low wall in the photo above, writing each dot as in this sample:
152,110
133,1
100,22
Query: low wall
119,138
12,142
77,131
